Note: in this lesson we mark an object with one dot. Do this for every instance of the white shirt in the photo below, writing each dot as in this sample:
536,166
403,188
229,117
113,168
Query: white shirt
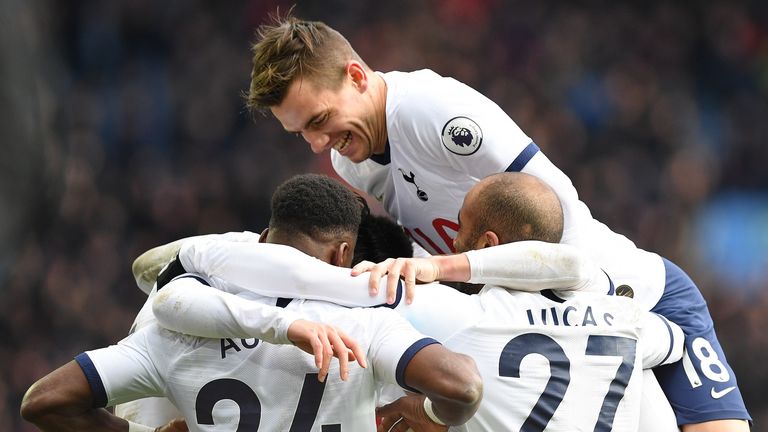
220,383
157,412
480,326
443,138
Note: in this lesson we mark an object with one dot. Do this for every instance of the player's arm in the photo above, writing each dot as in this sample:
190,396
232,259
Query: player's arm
63,401
148,265
663,341
73,397
274,270
188,305
450,381
524,266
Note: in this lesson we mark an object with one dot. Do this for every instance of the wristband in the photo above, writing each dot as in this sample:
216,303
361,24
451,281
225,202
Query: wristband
431,413
135,427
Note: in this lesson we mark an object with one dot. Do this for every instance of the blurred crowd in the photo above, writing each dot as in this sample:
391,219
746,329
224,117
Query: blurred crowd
124,128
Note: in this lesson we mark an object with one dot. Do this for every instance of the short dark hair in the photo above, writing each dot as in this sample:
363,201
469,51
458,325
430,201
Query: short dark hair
519,206
290,48
380,238
317,206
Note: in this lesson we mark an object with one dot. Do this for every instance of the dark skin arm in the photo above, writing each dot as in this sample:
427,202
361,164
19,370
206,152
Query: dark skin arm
450,380
62,401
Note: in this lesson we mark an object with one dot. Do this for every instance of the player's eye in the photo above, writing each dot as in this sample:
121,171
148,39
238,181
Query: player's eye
320,120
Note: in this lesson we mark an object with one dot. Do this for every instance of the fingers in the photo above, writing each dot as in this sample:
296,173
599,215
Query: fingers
409,275
362,267
325,342
376,272
179,425
355,352
392,409
393,423
341,352
393,278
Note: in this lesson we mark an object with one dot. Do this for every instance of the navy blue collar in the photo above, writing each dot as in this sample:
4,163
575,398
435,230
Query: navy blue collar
382,159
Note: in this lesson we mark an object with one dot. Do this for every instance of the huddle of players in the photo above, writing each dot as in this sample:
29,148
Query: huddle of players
403,138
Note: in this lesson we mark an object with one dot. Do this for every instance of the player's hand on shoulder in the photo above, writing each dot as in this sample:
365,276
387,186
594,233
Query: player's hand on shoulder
411,270
407,414
325,341
175,425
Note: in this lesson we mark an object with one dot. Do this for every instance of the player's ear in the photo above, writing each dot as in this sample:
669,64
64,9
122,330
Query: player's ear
488,239
342,255
357,73
263,235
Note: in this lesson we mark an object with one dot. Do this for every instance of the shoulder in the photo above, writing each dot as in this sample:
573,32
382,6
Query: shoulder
425,92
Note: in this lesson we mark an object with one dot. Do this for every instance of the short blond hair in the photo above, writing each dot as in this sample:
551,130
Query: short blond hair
290,48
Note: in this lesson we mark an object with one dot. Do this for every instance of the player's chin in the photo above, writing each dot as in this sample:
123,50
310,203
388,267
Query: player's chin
358,155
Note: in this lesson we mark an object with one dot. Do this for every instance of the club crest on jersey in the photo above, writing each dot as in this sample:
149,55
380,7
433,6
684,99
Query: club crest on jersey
411,178
462,136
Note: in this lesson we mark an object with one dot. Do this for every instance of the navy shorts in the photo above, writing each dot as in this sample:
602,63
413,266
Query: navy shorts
702,386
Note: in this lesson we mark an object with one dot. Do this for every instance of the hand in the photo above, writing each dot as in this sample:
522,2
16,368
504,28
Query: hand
325,342
411,269
175,425
405,414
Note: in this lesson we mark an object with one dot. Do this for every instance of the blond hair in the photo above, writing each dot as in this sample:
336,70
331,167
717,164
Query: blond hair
290,48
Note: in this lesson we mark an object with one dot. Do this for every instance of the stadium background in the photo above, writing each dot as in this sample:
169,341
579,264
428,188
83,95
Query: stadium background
122,127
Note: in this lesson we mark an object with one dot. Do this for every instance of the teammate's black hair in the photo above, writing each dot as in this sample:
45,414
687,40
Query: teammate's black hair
315,205
380,238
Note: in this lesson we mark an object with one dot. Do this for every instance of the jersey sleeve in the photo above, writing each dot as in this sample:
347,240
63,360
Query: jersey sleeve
393,345
534,266
188,305
147,266
275,271
662,340
122,372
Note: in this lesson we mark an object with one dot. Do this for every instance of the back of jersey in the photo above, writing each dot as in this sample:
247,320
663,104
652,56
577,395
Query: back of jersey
235,384
554,366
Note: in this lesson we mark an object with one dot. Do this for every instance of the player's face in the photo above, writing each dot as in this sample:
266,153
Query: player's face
343,119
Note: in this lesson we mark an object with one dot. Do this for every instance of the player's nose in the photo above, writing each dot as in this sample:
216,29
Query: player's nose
318,141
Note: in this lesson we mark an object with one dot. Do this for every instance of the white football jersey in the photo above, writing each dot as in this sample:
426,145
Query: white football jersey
159,411
565,361
443,138
558,366
219,384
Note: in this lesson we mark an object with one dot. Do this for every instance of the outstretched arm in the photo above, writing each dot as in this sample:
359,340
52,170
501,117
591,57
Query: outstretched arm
274,270
524,266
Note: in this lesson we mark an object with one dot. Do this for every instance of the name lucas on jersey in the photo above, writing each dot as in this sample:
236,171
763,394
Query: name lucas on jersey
568,316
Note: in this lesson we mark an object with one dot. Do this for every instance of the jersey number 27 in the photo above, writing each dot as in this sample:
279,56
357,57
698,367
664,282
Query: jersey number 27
560,374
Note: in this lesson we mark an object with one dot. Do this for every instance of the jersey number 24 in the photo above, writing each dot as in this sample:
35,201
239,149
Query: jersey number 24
250,406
